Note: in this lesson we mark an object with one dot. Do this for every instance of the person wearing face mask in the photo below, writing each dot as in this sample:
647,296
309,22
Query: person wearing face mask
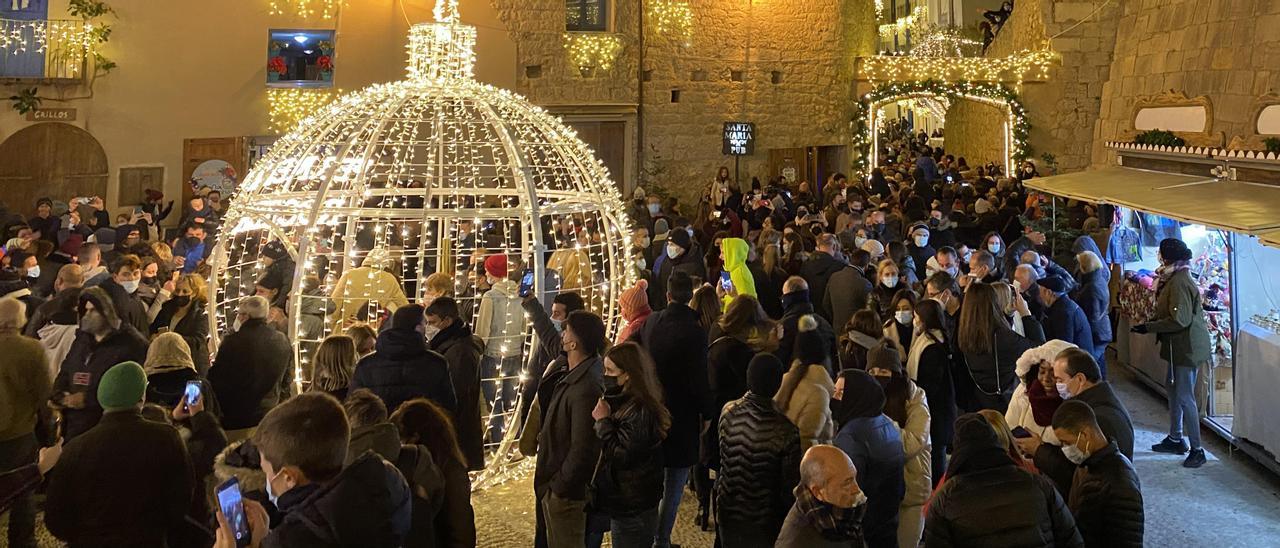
830,505
679,255
905,404
880,300
141,466
302,448
899,329
630,421
944,260
1106,496
920,250
1179,324
253,370
929,364
1036,398
545,368
448,334
873,443
1030,241
102,341
634,304
987,500
122,286
185,314
1076,377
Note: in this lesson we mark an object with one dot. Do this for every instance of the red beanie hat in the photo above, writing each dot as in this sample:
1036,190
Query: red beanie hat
635,301
496,265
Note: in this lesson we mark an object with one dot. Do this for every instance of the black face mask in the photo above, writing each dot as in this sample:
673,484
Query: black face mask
182,300
611,386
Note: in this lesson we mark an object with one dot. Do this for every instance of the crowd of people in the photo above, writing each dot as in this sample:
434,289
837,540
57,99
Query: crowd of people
856,362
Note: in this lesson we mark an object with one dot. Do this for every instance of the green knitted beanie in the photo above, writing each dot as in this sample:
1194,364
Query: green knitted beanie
123,386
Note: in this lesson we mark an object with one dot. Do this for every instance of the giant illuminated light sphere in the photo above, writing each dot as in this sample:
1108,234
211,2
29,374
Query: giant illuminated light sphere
434,173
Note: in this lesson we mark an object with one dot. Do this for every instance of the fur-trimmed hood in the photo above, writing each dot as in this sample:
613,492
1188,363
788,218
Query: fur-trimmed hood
1045,352
251,479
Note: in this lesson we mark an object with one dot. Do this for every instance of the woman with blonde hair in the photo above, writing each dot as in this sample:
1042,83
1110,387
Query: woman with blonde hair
185,313
1004,303
707,305
335,362
1094,297
888,282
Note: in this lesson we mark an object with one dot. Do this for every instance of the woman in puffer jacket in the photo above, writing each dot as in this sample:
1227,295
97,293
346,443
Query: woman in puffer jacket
631,422
1034,402
907,405
807,387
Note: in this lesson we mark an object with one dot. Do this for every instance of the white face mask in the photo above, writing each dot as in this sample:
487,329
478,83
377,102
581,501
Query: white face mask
558,324
674,251
129,286
33,272
921,241
430,331
654,209
858,241
271,494
1074,453
994,248
889,281
903,316
235,326
1062,390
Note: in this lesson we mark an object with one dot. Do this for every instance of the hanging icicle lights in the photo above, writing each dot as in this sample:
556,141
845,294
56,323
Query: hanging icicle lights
69,41
288,106
591,51
673,19
1016,68
432,174
326,9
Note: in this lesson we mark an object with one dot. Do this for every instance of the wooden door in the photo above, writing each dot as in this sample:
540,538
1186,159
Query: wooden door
50,159
797,159
609,141
229,152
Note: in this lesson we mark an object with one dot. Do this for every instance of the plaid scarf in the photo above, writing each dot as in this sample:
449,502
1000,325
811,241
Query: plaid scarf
834,524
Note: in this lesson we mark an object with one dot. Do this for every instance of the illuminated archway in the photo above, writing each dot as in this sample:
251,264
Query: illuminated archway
1016,126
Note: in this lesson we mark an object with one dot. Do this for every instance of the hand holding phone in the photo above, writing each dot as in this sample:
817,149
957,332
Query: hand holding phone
232,518
1020,432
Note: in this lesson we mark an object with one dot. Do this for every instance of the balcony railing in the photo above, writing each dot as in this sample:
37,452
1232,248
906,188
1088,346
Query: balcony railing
45,49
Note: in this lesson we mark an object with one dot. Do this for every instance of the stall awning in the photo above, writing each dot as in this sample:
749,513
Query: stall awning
1246,208
1270,238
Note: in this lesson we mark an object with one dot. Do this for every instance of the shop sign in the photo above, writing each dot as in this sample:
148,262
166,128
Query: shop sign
52,115
739,138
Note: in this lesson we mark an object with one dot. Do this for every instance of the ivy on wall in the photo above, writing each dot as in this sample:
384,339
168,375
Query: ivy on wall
955,91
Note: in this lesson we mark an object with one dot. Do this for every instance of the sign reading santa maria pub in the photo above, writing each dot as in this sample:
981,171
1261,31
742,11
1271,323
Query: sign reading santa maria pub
739,138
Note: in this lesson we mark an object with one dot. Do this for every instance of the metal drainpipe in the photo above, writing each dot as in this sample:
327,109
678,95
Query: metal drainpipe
639,168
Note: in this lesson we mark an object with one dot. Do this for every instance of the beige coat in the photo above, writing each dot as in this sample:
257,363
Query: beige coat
358,286
810,407
916,446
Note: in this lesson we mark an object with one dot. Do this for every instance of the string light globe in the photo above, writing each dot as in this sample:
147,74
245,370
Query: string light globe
375,192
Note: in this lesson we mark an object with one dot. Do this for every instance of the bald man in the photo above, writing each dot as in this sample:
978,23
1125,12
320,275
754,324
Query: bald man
829,504
796,303
65,298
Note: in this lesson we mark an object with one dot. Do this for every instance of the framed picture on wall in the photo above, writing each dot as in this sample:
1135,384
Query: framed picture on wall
135,180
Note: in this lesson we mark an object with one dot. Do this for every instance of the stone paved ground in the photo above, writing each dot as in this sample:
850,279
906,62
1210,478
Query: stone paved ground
1232,501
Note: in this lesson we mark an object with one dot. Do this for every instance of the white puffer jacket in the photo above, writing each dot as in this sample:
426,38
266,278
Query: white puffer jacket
917,447
1019,412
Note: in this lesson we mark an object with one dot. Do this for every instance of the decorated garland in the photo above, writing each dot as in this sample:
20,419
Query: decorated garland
862,134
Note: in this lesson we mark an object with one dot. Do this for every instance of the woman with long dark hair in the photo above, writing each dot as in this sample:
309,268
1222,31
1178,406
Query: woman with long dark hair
990,346
929,363
899,328
631,422
861,334
906,404
423,422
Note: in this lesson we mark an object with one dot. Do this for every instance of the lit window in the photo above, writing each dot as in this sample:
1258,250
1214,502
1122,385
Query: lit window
300,58
587,15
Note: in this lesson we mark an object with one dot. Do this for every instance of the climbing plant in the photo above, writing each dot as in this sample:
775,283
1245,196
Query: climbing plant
955,91
96,33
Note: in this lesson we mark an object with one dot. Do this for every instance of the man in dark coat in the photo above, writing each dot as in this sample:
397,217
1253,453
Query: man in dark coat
795,298
462,350
847,290
987,500
1078,378
102,341
403,368
920,250
568,447
253,371
1094,298
1029,241
822,264
122,286
830,506
681,255
1106,497
67,287
547,328
125,482
678,345
759,460
1063,318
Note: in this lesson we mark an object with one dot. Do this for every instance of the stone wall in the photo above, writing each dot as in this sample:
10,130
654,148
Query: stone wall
1226,50
975,132
786,65
1061,110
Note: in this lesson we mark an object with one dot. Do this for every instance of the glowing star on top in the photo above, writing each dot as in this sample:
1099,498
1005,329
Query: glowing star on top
346,217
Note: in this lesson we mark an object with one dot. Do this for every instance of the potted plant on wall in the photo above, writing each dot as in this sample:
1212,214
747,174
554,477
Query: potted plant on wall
276,68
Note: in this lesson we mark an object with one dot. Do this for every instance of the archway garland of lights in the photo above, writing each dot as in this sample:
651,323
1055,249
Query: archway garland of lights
1017,128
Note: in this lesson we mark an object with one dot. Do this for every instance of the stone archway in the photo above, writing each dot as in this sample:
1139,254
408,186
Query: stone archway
50,159
1016,126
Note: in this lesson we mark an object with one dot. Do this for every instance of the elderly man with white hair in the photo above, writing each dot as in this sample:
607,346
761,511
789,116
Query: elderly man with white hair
253,371
1025,278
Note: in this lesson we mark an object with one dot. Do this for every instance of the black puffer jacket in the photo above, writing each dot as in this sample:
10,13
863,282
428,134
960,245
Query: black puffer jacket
727,360
1106,499
759,462
628,479
403,368
368,504
1115,422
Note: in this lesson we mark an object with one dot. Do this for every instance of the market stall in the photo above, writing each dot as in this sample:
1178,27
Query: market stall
1223,222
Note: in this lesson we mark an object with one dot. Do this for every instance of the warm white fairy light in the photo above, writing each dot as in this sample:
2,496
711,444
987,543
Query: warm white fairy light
402,170
326,9
591,51
65,42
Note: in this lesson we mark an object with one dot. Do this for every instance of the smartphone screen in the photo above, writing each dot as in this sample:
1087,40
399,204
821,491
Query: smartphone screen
232,507
526,284
725,282
192,393
1020,432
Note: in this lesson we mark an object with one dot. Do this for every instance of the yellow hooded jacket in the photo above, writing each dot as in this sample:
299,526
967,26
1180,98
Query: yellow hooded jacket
735,252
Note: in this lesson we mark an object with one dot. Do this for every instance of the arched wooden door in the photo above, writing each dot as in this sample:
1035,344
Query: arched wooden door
50,159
